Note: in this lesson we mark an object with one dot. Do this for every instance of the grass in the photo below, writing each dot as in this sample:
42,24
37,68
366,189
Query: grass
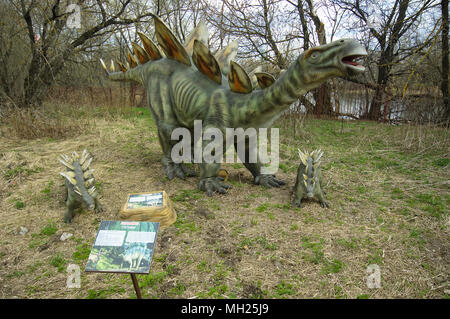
387,186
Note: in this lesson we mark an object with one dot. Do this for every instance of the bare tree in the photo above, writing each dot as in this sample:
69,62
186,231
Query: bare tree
51,42
445,63
387,23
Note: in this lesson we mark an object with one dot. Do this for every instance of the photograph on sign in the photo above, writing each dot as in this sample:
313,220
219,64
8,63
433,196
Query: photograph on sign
145,200
123,246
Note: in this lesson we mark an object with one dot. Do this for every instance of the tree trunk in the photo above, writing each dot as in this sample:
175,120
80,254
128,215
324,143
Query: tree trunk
378,98
445,62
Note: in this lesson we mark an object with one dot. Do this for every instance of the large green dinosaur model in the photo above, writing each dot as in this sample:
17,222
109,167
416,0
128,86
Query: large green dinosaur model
178,93
80,184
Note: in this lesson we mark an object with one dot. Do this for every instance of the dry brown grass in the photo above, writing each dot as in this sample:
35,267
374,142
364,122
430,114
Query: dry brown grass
255,245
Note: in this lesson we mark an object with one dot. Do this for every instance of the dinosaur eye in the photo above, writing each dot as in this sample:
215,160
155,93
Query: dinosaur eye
314,55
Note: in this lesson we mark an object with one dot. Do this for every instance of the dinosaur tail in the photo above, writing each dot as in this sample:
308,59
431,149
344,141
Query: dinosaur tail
126,75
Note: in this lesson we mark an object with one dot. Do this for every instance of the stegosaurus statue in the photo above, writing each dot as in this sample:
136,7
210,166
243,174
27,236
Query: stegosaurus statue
80,184
187,82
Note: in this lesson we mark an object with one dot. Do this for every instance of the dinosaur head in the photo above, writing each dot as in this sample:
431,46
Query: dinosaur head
337,58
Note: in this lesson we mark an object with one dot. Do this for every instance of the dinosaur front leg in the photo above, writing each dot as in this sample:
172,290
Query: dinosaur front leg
209,181
71,204
171,168
98,206
298,193
267,180
210,167
321,197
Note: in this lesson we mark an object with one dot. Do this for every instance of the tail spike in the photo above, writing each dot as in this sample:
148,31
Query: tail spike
104,66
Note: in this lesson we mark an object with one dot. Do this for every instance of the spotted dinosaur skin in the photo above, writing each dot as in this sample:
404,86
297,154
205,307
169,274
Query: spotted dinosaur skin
216,90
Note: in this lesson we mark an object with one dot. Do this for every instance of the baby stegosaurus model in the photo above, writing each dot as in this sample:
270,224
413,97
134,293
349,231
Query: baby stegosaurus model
309,178
80,183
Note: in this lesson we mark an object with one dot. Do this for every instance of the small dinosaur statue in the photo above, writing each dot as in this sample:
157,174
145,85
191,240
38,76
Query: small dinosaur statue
79,182
213,88
309,178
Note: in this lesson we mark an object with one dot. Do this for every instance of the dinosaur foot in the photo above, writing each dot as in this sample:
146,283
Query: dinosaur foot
99,208
297,203
213,184
325,204
268,181
179,170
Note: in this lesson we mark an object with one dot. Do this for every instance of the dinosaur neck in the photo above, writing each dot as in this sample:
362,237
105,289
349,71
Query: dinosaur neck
262,107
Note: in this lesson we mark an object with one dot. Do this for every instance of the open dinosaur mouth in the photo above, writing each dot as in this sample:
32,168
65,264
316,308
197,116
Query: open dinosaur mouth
350,60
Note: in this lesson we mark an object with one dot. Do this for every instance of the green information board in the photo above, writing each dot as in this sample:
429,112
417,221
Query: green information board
123,247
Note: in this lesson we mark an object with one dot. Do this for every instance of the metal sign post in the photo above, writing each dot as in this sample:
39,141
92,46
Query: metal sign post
136,286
